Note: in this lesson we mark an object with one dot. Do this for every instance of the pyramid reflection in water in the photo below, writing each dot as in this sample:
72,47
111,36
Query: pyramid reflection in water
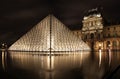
49,35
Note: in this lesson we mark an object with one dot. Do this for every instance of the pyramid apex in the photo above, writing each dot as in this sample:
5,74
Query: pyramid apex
50,15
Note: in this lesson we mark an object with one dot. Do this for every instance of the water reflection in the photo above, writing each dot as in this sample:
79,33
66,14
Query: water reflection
4,59
68,65
46,61
109,52
100,57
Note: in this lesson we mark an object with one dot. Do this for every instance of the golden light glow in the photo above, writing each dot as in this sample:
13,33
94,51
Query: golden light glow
48,62
100,45
100,57
98,15
49,35
35,60
85,18
109,51
3,60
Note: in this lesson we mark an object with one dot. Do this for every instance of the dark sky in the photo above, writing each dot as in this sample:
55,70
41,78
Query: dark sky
18,16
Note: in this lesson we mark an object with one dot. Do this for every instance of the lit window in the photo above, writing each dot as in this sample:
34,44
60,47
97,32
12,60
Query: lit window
98,15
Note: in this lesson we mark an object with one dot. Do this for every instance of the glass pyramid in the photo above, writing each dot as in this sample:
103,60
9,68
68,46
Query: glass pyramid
49,35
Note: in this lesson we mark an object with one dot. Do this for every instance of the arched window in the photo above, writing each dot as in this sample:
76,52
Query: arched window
107,44
92,35
114,45
115,34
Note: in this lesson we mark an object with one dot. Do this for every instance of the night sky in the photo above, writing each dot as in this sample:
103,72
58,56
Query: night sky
18,16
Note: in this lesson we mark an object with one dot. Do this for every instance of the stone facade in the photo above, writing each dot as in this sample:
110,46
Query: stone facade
111,36
97,35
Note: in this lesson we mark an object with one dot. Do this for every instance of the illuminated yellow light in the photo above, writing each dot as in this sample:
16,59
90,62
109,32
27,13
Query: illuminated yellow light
85,18
98,15
100,45
109,56
100,57
49,35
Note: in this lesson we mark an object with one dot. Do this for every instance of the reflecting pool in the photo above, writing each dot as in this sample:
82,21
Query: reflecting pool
61,65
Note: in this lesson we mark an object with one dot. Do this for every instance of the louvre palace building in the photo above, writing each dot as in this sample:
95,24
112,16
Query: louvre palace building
97,34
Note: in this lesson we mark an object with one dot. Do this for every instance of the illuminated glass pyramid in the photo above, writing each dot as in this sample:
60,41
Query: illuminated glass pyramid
49,35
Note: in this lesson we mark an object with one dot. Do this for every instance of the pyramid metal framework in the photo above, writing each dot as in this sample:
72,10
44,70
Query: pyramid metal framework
49,35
